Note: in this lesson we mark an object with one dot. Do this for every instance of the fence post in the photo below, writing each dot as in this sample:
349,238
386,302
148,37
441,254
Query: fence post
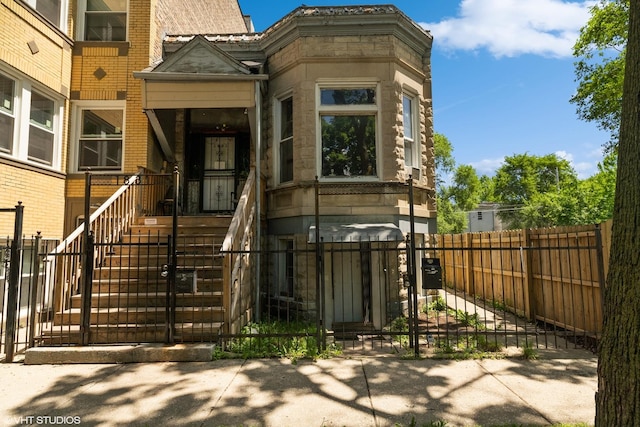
527,276
87,264
601,276
14,283
33,297
467,264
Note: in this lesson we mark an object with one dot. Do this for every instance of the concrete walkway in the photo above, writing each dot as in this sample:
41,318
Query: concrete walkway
359,391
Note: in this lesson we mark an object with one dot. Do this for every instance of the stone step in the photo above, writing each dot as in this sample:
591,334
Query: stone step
114,300
132,333
139,315
134,285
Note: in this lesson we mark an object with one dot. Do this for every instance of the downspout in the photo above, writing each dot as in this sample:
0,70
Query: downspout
258,100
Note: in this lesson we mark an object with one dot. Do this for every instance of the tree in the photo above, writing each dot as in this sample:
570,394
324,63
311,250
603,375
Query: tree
521,180
465,190
597,193
599,70
443,156
618,396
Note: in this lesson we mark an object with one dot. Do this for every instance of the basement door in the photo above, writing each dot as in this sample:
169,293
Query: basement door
351,283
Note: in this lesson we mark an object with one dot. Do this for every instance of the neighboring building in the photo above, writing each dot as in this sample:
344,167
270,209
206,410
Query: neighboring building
338,93
485,218
35,81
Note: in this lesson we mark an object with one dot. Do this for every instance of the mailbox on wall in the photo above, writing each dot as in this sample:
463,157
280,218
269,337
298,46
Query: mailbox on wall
431,273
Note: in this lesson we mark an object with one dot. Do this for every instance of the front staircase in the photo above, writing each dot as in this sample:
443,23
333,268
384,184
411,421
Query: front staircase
129,288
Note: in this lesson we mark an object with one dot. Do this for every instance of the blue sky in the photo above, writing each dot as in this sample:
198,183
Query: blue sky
502,75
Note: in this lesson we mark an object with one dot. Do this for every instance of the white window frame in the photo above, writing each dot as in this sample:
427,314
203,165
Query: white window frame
13,114
345,110
22,122
76,132
64,12
412,140
81,22
278,141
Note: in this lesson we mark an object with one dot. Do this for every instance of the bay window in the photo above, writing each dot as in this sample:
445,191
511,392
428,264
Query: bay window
348,128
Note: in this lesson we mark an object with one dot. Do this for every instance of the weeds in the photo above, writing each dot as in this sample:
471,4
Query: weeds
293,341
438,304
529,353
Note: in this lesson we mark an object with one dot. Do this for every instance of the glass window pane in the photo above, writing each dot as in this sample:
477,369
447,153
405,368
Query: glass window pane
348,145
50,9
105,26
42,110
6,133
286,161
100,154
102,123
408,153
40,145
362,96
107,5
407,115
6,94
286,119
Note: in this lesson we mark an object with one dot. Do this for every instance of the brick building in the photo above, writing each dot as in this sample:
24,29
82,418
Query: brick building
338,93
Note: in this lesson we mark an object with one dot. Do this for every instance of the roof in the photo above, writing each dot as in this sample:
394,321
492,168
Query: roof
203,17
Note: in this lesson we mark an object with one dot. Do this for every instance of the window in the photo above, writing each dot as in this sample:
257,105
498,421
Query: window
348,131
103,20
100,142
286,140
411,154
30,122
7,113
41,136
53,10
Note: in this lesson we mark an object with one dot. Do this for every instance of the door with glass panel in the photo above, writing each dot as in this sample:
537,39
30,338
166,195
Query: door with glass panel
218,182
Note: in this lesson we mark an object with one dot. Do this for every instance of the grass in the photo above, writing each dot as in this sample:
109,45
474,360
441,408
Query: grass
293,341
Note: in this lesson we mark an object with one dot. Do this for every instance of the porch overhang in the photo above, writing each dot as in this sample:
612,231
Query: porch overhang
170,90
356,233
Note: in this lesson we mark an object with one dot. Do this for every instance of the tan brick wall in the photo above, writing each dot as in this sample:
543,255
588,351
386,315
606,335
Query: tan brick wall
50,64
41,192
118,65
42,196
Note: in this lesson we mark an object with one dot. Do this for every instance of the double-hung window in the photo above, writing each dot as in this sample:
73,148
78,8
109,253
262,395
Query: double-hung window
7,113
411,154
100,139
348,128
285,146
41,133
103,20
30,122
54,10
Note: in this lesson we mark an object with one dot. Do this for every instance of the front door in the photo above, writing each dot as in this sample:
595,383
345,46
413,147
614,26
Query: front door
218,180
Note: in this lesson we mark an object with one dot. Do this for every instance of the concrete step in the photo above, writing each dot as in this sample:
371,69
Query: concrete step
119,316
134,285
142,353
114,300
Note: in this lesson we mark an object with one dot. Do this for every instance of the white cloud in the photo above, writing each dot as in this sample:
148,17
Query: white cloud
513,27
487,166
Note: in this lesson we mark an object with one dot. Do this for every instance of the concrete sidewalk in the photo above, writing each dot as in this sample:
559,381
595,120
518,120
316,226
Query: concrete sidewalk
367,391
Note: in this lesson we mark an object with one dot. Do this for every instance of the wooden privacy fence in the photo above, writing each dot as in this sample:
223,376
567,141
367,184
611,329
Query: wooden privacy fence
551,275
